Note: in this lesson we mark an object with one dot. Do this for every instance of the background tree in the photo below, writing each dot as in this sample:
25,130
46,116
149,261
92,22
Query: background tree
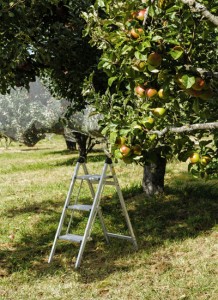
161,61
44,39
27,116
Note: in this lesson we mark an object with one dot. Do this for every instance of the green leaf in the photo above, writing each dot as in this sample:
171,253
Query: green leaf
101,3
140,56
176,53
196,106
187,81
113,136
111,80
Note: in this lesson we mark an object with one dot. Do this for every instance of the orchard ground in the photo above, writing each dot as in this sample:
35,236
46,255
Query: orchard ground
176,233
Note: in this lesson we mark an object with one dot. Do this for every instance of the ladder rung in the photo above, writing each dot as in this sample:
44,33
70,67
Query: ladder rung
119,236
92,177
71,237
82,207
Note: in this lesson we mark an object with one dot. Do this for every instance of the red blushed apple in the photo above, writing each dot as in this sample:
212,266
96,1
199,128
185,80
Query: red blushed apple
136,32
199,84
154,59
193,93
125,150
150,92
140,91
137,149
206,95
140,14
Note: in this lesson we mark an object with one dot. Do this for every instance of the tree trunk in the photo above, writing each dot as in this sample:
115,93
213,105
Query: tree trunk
153,176
70,145
81,140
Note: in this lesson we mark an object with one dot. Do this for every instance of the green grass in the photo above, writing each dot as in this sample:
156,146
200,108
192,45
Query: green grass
176,232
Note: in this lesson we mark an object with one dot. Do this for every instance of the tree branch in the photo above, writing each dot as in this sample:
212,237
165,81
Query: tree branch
200,8
186,128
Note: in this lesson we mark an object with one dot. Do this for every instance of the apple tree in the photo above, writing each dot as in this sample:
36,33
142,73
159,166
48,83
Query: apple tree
160,58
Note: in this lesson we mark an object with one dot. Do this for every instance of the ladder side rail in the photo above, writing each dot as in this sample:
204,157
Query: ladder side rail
88,181
75,202
123,205
60,225
103,226
91,216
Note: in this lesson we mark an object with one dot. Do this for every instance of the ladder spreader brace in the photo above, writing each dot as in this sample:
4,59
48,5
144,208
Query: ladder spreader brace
94,209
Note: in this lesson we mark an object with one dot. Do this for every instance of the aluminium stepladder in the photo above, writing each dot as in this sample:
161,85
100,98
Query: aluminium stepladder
94,209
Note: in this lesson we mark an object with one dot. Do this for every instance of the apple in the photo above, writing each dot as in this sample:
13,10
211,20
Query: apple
118,154
179,82
140,65
159,111
194,157
193,93
199,84
150,92
154,59
125,150
137,149
120,140
152,137
206,95
128,160
161,94
140,14
140,91
136,32
205,160
148,122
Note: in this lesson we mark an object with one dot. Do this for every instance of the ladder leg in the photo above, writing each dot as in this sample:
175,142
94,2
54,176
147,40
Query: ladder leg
99,210
64,212
91,217
104,229
123,205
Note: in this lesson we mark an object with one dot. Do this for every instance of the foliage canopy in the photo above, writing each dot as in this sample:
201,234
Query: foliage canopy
160,58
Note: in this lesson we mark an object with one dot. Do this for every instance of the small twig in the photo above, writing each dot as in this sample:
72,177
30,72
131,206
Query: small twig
146,14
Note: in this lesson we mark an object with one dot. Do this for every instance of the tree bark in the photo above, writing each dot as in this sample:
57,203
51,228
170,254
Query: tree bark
81,140
153,176
70,145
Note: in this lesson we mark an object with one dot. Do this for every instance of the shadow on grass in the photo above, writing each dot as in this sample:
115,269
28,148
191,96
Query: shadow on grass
73,161
62,152
185,211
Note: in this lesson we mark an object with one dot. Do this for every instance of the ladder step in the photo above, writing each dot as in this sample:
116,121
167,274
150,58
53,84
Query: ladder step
71,237
92,177
119,236
82,207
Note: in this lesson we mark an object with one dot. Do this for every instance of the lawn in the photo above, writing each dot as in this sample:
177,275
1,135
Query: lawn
176,232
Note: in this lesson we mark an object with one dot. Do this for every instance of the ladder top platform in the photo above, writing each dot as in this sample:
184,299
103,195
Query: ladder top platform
92,177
